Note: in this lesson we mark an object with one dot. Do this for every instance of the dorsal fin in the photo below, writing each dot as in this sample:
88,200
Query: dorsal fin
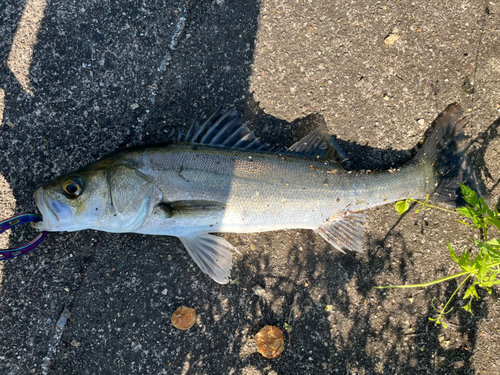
223,130
227,130
319,145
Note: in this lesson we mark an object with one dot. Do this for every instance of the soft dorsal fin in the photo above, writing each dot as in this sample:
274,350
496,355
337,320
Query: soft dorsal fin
223,130
319,145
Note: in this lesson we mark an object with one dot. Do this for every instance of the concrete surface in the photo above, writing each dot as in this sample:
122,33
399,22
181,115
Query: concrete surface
79,79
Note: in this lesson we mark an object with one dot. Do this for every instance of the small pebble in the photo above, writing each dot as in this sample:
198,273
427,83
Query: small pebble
258,290
391,39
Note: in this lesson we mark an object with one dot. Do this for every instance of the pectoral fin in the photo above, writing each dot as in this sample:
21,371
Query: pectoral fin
344,232
211,253
191,208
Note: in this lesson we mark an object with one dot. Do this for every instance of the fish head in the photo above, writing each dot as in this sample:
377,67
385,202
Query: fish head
73,201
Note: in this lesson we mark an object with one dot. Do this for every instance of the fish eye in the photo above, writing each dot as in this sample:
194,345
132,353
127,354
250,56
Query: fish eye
73,187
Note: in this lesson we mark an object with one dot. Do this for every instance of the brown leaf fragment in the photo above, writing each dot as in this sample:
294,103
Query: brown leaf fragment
184,317
270,341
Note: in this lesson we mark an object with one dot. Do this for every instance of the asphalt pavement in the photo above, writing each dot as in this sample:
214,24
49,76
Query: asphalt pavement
80,79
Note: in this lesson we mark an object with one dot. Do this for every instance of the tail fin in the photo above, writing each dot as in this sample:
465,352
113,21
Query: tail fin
446,158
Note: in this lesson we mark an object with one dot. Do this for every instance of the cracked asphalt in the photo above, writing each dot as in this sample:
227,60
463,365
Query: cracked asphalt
79,79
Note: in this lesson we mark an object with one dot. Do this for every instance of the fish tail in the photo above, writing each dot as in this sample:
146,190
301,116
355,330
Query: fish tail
444,159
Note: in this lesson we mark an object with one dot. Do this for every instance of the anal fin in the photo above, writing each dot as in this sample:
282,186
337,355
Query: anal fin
211,253
345,232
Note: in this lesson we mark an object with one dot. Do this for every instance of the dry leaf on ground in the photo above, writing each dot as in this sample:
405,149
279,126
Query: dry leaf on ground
184,317
270,341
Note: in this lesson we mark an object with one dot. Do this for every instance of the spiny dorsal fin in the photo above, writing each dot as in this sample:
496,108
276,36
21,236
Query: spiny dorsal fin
223,130
344,232
319,145
227,130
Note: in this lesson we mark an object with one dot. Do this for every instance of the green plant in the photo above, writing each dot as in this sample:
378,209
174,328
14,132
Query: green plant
482,266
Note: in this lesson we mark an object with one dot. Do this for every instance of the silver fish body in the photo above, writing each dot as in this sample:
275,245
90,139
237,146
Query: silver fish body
228,182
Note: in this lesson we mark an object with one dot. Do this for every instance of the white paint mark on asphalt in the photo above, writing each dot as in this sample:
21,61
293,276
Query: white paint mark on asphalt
53,344
2,105
174,41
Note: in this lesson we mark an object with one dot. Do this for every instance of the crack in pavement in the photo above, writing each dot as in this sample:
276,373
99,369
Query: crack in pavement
62,321
482,27
167,59
53,344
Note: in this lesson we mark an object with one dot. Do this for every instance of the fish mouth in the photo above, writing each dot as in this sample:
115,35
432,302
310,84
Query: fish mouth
55,214
47,215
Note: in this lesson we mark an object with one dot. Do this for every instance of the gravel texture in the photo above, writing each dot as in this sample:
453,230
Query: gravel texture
79,79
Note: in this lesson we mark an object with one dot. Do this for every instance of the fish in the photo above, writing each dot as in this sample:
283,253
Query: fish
218,177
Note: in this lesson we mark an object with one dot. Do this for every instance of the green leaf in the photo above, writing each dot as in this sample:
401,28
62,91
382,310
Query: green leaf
484,206
486,249
487,282
493,221
464,261
288,327
478,222
467,212
453,255
471,293
479,263
481,245
401,207
468,307
470,196
494,242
